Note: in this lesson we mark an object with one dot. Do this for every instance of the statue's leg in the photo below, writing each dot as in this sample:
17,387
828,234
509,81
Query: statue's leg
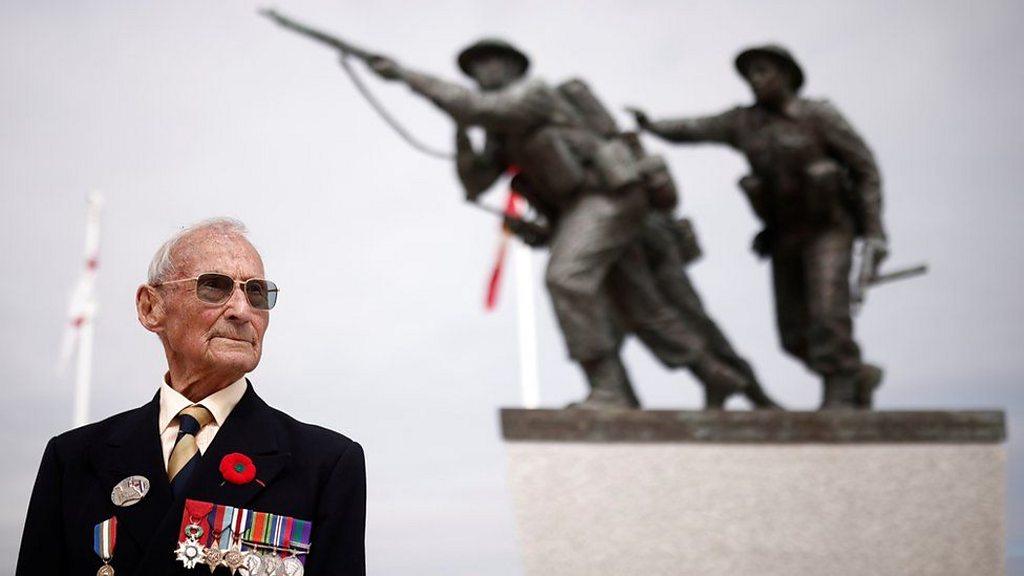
790,292
832,350
674,283
664,330
589,238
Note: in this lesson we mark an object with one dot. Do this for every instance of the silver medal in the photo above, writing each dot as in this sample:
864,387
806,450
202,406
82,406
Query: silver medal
189,553
292,566
129,491
251,565
272,565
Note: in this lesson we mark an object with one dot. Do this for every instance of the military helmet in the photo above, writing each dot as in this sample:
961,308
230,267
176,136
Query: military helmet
777,53
487,46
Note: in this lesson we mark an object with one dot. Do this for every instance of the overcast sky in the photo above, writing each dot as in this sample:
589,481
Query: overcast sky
178,111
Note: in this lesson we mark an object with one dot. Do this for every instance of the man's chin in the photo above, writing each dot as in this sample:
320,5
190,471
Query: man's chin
240,358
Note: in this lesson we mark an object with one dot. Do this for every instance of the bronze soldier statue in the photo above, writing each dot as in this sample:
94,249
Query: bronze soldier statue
591,187
816,188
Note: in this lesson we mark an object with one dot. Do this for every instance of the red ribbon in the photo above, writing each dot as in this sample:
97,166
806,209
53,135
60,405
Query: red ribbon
494,284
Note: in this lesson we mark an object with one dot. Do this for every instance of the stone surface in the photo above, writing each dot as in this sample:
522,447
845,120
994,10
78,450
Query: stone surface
613,504
756,426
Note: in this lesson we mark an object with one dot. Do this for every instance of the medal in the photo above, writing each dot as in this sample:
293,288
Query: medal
190,550
246,542
276,536
212,557
189,553
252,564
273,565
129,491
292,566
235,558
195,520
104,538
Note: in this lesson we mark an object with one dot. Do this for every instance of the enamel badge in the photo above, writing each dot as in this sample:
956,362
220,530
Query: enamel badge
129,491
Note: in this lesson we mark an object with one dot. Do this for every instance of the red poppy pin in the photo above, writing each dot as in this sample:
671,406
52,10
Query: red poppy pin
238,468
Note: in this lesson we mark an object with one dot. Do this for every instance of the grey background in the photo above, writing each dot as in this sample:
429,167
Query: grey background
179,111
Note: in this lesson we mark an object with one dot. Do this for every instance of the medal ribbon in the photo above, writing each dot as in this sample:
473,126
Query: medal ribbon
284,535
239,523
104,538
288,532
225,516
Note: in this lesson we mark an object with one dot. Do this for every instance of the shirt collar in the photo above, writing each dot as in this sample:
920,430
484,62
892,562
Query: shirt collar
220,403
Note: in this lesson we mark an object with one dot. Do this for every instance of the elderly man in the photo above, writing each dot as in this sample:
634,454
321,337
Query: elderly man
204,437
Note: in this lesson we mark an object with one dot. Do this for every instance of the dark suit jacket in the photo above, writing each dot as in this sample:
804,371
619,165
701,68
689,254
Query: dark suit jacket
310,473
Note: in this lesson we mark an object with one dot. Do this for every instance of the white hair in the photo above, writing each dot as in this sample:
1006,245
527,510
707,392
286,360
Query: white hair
161,267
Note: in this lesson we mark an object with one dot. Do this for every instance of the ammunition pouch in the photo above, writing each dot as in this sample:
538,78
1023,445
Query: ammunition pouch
662,193
616,164
686,239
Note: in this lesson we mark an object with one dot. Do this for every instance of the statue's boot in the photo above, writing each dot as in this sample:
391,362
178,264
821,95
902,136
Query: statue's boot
609,386
719,380
759,398
840,392
868,380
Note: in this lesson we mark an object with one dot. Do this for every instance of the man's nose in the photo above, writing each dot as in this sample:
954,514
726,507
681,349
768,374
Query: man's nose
238,305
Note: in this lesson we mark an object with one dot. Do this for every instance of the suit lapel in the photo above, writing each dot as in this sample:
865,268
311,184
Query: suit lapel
250,430
133,449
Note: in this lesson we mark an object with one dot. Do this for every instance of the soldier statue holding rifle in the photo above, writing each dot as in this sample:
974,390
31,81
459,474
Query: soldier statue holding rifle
594,190
816,188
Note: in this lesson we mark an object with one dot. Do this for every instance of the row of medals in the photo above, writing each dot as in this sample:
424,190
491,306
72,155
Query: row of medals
245,562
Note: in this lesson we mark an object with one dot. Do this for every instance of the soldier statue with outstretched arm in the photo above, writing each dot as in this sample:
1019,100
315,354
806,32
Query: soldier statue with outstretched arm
590,186
816,188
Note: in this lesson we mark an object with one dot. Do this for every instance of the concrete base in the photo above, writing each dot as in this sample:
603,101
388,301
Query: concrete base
759,508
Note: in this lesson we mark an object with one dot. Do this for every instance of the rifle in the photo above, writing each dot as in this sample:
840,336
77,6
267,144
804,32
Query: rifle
867,277
338,44
348,49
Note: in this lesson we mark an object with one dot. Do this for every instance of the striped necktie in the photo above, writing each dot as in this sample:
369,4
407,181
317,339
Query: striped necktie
185,455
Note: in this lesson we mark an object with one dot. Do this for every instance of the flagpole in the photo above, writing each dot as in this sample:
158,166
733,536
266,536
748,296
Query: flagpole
78,336
83,374
529,373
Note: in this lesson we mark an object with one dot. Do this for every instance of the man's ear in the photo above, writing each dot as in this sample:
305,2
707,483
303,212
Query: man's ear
150,306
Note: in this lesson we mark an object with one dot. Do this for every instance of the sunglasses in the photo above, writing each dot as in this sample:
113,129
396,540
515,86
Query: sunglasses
217,288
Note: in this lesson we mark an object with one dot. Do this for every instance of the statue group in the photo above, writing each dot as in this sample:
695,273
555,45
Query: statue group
604,209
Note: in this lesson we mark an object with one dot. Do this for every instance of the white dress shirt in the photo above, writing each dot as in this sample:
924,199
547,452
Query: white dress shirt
220,404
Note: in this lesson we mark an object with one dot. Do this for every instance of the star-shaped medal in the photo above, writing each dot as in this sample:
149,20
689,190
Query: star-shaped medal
190,553
212,557
234,559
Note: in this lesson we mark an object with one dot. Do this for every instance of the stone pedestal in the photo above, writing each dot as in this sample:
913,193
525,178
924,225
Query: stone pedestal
757,493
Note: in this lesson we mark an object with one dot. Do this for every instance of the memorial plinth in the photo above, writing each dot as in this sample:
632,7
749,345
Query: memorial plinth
758,493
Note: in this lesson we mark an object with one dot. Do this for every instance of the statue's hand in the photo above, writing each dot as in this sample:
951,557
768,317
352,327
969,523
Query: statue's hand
880,250
385,67
640,117
533,235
